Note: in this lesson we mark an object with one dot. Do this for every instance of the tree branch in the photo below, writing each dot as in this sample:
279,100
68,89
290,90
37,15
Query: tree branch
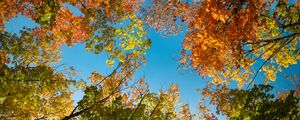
139,104
271,56
102,100
155,108
272,40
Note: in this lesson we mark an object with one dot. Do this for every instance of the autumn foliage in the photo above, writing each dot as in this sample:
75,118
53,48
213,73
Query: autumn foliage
225,40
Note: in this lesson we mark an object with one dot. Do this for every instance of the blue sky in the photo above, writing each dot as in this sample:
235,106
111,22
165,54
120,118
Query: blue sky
160,70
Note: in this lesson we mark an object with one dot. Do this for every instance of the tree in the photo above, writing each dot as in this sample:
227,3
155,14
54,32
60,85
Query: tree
256,103
34,93
113,97
225,38
30,87
98,27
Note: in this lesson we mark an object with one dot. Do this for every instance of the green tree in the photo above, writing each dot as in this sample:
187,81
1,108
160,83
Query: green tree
30,87
34,92
255,103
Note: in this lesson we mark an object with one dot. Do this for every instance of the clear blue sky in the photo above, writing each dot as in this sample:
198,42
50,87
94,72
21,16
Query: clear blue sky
160,70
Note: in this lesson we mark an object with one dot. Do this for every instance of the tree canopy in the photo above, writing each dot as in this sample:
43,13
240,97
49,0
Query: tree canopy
225,40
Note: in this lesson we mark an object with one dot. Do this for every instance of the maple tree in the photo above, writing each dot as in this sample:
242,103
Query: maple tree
98,27
226,38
